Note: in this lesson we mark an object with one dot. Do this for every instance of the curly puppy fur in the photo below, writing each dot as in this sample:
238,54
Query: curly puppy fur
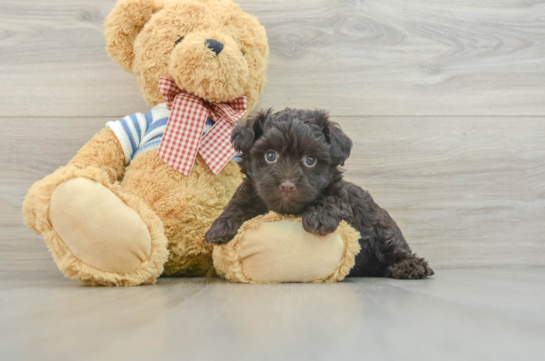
292,161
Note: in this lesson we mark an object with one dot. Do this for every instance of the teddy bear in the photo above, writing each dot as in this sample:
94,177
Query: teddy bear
137,199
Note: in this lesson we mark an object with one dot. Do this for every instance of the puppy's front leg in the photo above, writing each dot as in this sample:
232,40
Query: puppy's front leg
324,215
245,205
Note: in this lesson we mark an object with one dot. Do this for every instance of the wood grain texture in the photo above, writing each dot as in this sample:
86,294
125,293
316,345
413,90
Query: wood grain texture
36,147
465,180
465,192
354,57
462,314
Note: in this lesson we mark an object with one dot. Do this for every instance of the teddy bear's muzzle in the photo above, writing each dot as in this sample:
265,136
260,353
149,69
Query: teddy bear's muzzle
214,45
210,65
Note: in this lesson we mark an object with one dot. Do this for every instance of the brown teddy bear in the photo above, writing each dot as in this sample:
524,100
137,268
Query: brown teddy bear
137,199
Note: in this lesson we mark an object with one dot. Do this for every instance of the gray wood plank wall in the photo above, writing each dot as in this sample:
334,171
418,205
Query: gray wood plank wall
445,102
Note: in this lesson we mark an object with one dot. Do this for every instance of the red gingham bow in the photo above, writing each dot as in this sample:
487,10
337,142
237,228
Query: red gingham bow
183,135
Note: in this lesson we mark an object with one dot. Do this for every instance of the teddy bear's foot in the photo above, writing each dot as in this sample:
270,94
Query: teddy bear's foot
99,234
98,227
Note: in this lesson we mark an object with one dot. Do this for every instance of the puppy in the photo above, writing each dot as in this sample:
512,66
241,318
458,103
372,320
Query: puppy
291,160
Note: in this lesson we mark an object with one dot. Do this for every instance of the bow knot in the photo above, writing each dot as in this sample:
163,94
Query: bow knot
183,136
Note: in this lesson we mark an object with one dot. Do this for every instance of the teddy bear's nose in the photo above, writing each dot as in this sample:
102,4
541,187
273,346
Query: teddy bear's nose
214,45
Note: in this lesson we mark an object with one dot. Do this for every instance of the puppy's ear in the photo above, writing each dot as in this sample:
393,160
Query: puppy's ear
340,144
245,135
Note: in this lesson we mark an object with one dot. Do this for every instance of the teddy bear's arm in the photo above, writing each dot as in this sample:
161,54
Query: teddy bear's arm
103,151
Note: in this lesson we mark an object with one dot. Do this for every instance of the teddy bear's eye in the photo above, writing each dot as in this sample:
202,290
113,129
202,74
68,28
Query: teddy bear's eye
243,54
178,41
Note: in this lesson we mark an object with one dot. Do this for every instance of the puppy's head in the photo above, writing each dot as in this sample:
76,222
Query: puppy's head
291,156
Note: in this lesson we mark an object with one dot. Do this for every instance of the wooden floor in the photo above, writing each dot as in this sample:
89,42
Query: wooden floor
445,103
461,314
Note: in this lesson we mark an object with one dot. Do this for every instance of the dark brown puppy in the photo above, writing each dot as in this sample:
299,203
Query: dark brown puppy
291,161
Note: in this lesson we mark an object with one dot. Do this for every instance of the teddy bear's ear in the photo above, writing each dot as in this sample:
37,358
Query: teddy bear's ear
245,135
123,24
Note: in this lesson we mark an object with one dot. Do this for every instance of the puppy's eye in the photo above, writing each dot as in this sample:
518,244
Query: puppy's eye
178,41
271,156
309,161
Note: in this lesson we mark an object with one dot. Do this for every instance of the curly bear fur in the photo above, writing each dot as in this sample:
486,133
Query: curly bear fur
79,208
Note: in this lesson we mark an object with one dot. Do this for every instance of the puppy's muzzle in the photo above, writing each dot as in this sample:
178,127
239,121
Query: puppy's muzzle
287,188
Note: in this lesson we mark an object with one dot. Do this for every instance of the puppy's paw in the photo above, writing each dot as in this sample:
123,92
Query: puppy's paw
411,268
319,221
221,232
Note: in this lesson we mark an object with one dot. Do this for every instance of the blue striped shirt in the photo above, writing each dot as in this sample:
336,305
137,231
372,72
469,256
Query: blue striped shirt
139,132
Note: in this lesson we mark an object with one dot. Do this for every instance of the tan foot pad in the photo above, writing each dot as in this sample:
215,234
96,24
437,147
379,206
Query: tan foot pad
98,227
273,248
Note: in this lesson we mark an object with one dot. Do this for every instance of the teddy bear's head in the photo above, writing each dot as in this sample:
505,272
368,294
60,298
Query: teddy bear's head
210,48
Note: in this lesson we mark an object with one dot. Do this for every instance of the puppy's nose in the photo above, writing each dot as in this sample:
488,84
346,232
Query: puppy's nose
287,186
214,45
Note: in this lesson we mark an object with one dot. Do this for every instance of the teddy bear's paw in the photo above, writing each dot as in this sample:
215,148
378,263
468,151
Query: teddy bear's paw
100,235
98,227
29,209
37,202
